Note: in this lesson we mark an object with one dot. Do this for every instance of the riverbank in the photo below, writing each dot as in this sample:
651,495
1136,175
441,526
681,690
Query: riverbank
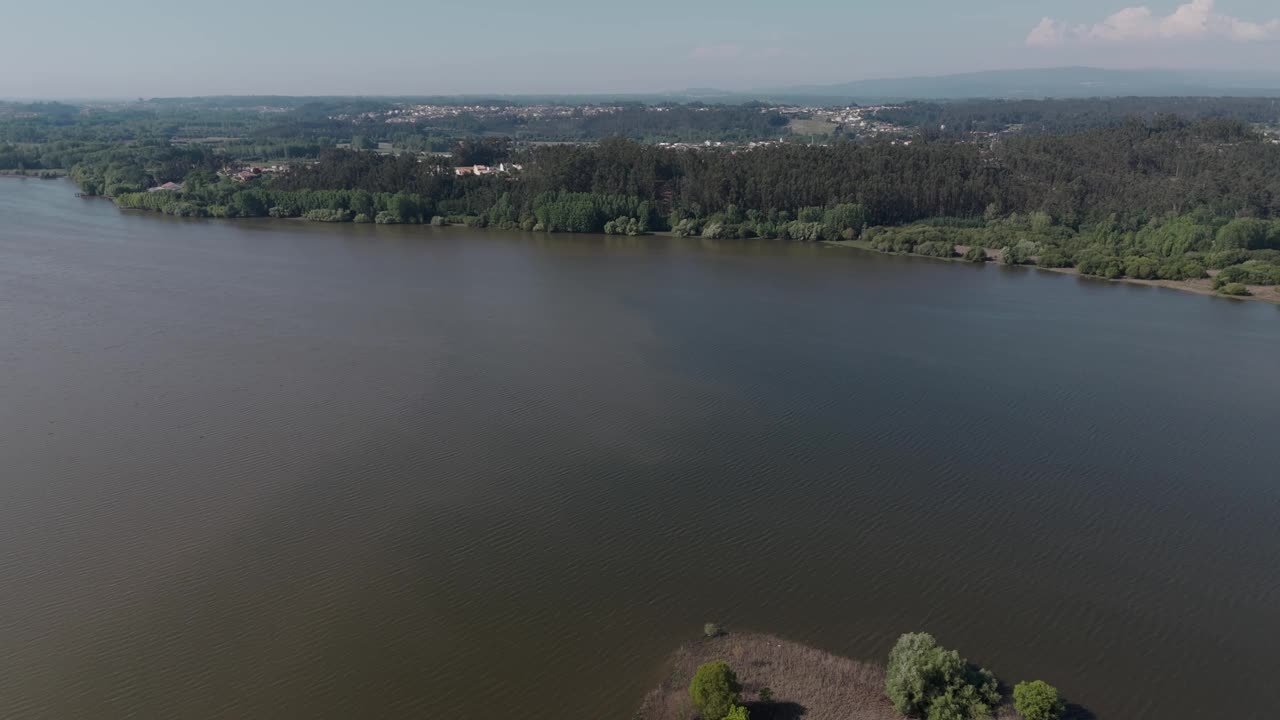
38,174
1200,286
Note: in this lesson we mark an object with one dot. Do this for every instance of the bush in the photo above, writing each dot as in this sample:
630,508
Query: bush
936,248
1180,269
1099,264
688,227
329,216
438,221
925,680
976,254
1236,289
1038,700
1252,272
1053,258
1226,258
737,712
711,630
1018,253
1139,267
1245,233
362,218
714,690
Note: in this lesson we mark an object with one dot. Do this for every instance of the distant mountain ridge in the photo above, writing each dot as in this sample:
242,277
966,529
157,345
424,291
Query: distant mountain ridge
1063,82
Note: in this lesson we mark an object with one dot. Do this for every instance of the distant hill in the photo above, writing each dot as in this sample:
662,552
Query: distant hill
1066,82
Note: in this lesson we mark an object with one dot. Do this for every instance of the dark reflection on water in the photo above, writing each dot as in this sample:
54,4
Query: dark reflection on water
264,469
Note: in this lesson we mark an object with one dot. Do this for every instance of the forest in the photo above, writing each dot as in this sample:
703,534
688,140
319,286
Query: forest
1165,196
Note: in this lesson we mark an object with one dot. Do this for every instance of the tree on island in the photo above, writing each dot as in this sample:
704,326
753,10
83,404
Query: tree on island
926,680
715,691
1038,700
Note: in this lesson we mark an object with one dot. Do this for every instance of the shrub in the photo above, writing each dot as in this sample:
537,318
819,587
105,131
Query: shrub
362,218
1053,258
438,220
711,630
1018,253
1252,272
936,248
1246,233
805,231
766,694
327,215
1139,267
688,227
713,230
976,254
1038,700
1235,288
737,712
1226,258
714,690
1180,269
925,680
1099,264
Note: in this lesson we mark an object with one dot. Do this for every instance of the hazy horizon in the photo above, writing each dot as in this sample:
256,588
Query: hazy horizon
392,47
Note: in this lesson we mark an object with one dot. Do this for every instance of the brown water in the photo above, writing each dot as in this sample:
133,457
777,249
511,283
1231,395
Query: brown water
273,469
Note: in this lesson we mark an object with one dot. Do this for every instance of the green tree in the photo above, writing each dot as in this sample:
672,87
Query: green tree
714,690
737,712
976,254
1038,700
926,680
1246,233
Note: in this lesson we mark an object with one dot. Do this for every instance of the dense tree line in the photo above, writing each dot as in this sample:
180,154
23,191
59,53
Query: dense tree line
1159,199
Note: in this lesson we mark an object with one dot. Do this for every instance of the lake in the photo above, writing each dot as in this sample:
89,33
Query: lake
279,469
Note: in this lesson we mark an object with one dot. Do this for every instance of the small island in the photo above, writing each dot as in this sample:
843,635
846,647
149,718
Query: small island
755,676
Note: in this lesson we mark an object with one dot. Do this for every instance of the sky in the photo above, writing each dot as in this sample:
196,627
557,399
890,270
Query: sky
130,48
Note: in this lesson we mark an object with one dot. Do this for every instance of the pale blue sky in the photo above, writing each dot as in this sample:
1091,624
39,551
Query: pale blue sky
130,48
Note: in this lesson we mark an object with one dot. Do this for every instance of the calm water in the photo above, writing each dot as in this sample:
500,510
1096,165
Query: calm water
268,469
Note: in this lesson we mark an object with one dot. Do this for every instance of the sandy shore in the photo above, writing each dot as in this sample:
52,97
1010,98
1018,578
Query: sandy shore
1202,286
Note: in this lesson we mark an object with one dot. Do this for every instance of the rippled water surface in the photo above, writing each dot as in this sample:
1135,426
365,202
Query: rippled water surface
274,469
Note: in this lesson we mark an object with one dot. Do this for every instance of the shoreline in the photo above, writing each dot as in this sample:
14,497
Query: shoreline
1202,287
35,174
804,683
1260,293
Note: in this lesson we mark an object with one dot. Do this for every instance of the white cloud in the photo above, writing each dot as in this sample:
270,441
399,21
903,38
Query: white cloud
1193,20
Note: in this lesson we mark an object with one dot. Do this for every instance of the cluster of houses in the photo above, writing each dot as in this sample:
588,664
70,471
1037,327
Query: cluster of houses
499,169
416,113
246,174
